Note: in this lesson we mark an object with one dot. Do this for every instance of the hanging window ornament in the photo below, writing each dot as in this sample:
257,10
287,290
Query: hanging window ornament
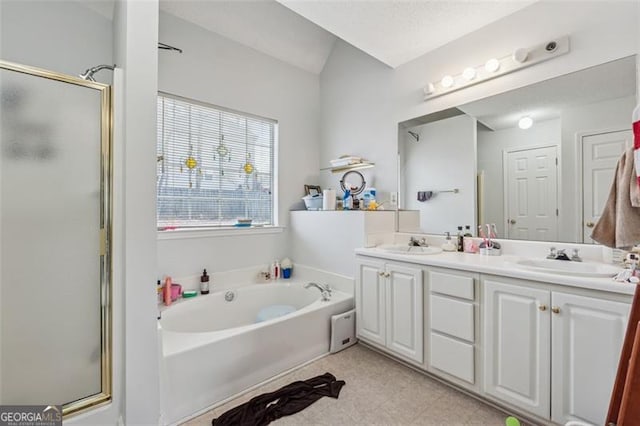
190,162
221,150
248,167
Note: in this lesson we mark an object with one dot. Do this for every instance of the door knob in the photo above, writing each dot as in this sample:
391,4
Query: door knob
555,310
590,224
381,273
387,274
542,307
512,221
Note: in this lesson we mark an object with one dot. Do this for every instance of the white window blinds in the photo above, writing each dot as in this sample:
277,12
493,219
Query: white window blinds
214,165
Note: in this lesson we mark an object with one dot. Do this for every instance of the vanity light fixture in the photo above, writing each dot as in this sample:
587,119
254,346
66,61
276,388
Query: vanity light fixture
492,65
429,89
469,73
525,122
521,57
447,81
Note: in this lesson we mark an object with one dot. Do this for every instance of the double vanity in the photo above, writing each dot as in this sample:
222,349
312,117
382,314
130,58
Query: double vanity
541,339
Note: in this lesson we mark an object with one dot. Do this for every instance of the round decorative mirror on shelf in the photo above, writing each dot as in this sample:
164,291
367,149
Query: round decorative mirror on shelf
354,182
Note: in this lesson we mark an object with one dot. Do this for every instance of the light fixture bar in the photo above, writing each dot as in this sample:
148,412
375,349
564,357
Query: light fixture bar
519,59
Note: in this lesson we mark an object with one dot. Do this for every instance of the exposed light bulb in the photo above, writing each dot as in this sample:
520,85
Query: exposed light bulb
525,122
447,81
520,55
429,89
469,73
492,65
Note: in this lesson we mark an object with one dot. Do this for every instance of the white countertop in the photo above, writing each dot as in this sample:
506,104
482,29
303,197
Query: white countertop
500,265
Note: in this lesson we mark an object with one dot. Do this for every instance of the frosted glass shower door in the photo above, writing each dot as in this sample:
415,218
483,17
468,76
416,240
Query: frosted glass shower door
54,216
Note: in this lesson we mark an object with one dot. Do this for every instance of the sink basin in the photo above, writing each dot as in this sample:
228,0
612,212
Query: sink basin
563,267
405,249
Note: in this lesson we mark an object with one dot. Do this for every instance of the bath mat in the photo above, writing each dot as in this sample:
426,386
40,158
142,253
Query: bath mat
290,399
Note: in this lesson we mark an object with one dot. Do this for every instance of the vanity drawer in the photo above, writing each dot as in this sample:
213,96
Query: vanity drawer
453,357
452,317
452,284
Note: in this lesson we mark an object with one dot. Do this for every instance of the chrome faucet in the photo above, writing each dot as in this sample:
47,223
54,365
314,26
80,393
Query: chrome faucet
414,242
576,256
561,255
325,290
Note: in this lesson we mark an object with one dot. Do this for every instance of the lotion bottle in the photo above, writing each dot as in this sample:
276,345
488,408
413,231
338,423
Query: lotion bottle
204,283
448,244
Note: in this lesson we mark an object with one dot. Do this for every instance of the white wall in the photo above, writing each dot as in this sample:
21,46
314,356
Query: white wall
492,144
365,101
137,52
219,71
443,159
61,36
326,240
356,113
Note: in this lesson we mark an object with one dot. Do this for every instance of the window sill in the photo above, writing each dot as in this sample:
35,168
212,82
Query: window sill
179,234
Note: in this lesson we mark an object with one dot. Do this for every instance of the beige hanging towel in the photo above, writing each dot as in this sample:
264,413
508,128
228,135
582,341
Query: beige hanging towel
619,225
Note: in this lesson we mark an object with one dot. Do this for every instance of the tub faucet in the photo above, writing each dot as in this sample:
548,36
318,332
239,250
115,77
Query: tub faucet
325,290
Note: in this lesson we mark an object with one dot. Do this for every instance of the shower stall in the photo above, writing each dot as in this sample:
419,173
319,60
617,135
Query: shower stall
55,233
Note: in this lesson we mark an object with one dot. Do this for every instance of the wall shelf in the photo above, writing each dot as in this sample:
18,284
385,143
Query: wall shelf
356,166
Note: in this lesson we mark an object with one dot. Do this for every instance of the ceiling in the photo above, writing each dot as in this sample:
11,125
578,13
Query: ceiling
546,100
264,25
302,33
398,31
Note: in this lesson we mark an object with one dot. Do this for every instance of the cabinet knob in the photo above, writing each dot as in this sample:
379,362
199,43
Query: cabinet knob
542,307
512,221
387,275
381,273
555,310
590,224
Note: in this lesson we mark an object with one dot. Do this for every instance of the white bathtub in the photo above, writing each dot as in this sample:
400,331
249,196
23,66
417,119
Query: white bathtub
213,349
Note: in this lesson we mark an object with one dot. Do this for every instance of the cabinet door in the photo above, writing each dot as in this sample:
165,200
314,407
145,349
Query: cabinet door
517,346
587,336
370,301
404,311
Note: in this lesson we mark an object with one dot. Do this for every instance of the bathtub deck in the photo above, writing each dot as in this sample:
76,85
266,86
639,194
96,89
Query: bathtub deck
377,391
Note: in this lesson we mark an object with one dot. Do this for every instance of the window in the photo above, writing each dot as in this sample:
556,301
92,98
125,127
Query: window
214,165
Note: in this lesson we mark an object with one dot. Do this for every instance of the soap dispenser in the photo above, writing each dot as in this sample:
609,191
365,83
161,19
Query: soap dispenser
448,244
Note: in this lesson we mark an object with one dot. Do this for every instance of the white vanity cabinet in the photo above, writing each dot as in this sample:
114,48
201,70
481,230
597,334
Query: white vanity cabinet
550,352
389,306
451,325
586,339
517,346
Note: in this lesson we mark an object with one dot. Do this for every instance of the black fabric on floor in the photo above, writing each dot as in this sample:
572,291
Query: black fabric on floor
290,399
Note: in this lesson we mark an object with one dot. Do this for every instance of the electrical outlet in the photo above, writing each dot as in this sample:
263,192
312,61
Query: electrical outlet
393,199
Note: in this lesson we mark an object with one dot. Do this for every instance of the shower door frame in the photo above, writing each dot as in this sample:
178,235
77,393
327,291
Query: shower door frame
106,214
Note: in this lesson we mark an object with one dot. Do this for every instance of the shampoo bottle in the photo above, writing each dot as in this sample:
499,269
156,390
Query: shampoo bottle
460,245
204,283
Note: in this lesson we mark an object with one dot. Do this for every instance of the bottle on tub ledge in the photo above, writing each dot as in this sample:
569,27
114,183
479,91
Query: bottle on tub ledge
204,283
275,270
286,266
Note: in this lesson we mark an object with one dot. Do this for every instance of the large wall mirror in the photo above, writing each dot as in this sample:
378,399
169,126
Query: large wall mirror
537,161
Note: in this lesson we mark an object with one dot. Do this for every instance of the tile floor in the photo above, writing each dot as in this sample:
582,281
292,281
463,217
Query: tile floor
378,391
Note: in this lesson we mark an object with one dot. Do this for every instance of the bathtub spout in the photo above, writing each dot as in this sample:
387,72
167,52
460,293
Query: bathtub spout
325,290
